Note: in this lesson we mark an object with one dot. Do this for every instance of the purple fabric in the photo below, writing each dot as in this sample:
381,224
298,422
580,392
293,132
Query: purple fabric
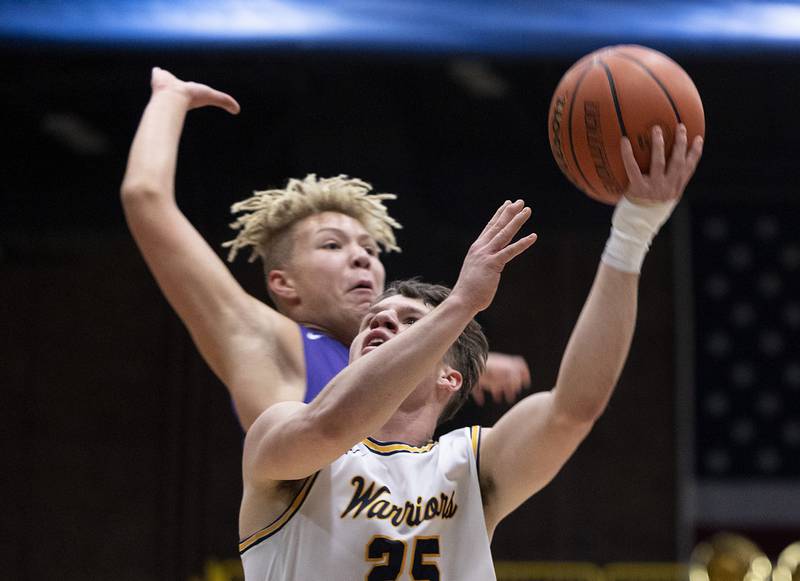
325,357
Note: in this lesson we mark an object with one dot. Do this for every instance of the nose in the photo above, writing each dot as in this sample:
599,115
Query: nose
360,257
386,319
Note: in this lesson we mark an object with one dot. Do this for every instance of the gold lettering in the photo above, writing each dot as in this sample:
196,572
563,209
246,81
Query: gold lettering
362,499
369,499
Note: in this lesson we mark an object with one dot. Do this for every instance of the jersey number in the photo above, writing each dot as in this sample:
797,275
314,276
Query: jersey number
391,554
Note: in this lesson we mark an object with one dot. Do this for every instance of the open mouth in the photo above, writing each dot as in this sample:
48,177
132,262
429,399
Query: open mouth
374,340
362,285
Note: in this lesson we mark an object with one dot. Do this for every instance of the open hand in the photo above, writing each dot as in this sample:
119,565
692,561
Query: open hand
480,273
504,378
196,94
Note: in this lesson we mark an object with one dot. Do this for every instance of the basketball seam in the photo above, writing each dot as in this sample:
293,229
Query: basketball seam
571,136
657,80
613,88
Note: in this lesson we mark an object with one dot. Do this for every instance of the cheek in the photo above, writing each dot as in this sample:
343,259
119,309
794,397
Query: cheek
380,275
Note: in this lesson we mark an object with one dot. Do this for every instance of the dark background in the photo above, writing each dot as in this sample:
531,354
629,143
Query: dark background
120,451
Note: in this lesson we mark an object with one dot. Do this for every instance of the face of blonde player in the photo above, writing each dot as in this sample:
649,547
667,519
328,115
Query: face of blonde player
336,272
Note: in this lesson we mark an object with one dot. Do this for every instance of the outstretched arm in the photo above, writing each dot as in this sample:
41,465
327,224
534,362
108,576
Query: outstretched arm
291,441
530,443
255,351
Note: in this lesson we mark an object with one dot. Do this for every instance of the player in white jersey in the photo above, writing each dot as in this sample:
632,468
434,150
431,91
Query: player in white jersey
350,486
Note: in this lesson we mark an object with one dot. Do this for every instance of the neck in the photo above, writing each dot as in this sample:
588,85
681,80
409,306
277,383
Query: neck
343,338
343,328
414,427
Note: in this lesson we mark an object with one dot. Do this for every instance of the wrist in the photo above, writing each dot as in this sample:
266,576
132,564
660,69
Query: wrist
172,95
633,227
460,305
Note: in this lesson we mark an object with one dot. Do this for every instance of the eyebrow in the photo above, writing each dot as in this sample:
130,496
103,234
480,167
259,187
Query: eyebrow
413,309
360,238
331,229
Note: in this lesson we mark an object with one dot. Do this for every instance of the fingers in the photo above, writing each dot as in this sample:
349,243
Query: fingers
657,159
160,78
504,378
495,218
693,157
511,391
682,162
678,150
511,251
524,370
501,218
519,215
225,101
629,161
502,228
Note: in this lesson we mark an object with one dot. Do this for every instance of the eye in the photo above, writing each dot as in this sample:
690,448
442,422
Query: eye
371,250
331,245
410,320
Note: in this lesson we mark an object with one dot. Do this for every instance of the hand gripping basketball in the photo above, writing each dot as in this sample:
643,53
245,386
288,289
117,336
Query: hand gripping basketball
649,198
663,183
488,255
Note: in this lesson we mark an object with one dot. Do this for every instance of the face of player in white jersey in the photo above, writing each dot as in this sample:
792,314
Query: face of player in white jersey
405,303
385,320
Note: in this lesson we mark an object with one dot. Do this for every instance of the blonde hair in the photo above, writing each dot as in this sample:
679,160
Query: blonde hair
269,213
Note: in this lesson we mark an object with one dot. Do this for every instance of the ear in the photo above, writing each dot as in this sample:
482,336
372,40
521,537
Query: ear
449,380
281,284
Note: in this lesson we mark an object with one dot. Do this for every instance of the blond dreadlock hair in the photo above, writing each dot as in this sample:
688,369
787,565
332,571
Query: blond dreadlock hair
269,213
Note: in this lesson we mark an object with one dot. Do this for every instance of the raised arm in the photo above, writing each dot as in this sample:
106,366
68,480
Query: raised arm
530,443
254,350
291,441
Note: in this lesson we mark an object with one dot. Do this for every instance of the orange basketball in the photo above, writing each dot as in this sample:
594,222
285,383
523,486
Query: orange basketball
613,92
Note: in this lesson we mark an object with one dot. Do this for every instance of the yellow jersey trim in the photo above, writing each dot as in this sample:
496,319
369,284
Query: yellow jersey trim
475,437
279,522
389,448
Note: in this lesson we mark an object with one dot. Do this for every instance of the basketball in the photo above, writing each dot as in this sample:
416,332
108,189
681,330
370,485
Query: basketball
613,92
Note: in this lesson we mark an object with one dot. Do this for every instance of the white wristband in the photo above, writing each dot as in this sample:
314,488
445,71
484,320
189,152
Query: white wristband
633,227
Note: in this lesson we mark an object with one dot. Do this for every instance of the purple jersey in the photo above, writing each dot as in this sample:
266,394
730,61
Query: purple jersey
325,357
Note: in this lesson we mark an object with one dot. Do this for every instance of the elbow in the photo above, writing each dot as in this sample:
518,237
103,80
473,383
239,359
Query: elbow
582,412
333,429
592,412
136,192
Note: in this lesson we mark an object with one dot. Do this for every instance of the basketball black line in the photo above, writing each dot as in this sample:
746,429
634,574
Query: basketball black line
613,88
661,85
571,136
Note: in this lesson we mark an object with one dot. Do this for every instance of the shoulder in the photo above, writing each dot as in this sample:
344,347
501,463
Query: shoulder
469,438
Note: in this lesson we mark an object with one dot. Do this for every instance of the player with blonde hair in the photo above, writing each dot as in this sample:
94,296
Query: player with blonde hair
319,239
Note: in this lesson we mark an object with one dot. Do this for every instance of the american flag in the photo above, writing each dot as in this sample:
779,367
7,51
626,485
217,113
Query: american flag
742,307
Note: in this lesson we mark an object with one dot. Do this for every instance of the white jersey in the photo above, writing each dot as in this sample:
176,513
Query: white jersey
382,511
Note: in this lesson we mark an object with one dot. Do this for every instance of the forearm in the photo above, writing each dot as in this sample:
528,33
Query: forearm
363,397
291,441
154,152
599,345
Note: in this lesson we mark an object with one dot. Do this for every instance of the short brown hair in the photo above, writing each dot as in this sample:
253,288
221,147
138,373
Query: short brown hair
467,355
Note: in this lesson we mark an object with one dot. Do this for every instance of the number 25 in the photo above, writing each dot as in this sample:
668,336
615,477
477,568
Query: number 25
391,554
